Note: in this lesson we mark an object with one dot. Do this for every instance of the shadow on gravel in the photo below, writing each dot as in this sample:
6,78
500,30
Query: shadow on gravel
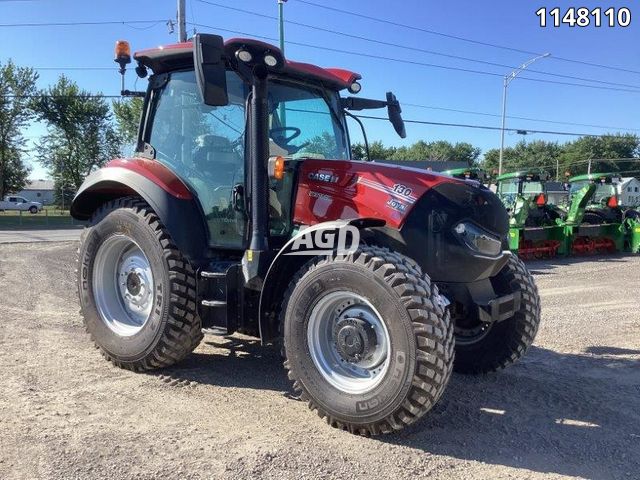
573,415
231,362
566,414
546,266
611,351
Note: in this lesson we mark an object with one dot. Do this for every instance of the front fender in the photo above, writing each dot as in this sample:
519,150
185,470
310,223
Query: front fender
170,199
284,266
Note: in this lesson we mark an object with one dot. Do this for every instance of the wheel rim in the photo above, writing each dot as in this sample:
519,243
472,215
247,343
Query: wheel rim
348,342
123,285
468,335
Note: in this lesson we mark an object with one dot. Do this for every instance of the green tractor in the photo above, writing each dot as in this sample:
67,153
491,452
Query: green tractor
605,225
535,226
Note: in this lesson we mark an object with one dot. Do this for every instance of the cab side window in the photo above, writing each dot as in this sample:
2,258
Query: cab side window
205,146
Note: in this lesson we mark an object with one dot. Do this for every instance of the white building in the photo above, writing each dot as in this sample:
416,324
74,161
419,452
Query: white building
629,191
38,191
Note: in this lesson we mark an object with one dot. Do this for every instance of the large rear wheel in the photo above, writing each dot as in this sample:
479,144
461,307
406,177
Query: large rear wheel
137,293
367,340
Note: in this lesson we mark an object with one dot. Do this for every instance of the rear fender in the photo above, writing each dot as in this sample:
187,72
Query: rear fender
170,199
290,259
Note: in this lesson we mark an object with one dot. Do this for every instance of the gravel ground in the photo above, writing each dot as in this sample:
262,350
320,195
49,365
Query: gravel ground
571,408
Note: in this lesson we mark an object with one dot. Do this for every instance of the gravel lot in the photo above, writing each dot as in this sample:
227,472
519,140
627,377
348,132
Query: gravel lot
571,408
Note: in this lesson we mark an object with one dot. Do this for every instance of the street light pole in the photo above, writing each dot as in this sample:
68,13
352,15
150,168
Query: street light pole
507,80
182,21
281,23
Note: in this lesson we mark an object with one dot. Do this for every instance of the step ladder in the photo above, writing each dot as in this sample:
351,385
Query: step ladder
218,293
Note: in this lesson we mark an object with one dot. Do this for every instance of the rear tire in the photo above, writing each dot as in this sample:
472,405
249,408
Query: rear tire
504,342
592,218
402,323
137,293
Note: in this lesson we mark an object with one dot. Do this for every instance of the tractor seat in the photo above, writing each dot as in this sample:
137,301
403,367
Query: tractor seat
215,156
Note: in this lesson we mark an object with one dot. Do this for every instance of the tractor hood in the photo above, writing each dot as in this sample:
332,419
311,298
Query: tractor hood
331,190
455,229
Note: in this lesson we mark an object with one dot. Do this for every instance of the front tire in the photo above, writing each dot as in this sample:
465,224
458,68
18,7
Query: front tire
367,340
497,345
33,210
137,293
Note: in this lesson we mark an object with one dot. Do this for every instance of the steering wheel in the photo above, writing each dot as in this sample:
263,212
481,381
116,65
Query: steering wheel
282,139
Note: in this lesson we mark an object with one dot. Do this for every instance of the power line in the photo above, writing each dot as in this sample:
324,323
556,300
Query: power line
487,127
408,47
463,39
404,104
412,62
74,68
74,24
61,96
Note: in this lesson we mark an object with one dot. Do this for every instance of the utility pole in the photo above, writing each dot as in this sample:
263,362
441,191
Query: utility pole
182,21
507,80
282,111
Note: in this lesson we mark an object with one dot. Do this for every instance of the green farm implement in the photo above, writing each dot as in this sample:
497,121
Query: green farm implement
535,226
605,225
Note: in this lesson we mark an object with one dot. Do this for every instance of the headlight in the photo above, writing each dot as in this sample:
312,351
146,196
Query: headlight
477,239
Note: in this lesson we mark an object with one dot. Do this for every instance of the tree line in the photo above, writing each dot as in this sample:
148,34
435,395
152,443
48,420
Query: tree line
84,131
610,153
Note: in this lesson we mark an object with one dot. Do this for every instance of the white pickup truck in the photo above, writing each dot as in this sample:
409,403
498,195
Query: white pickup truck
12,202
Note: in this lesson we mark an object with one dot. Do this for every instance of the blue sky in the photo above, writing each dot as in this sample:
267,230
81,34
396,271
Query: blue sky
504,22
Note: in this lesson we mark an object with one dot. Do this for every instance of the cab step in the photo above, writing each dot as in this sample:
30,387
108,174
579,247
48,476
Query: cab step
213,303
218,295
204,274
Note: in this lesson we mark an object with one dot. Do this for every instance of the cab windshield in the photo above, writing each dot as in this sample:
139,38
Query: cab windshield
304,123
510,188
603,190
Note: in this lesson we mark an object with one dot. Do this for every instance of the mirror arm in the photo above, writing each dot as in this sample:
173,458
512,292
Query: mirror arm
354,103
364,133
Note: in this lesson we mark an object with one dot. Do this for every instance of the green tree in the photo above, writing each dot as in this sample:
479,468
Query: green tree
81,136
571,157
539,154
127,114
576,154
17,84
440,150
377,151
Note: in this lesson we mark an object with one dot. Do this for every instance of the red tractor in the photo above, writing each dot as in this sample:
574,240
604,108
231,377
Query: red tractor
243,211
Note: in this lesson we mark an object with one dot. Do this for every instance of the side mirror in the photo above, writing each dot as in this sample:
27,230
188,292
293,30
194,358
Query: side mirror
395,115
210,68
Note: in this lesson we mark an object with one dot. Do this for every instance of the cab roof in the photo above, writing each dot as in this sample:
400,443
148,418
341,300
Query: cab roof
462,171
524,175
594,176
180,55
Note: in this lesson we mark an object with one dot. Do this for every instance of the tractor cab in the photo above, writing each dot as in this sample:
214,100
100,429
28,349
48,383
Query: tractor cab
525,197
604,205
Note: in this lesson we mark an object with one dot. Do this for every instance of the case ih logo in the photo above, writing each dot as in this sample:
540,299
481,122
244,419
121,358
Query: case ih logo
344,241
323,177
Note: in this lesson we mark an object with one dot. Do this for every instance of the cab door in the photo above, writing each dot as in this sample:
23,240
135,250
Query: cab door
205,147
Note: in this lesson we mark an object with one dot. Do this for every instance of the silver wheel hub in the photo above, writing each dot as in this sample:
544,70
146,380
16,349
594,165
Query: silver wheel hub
123,285
348,342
